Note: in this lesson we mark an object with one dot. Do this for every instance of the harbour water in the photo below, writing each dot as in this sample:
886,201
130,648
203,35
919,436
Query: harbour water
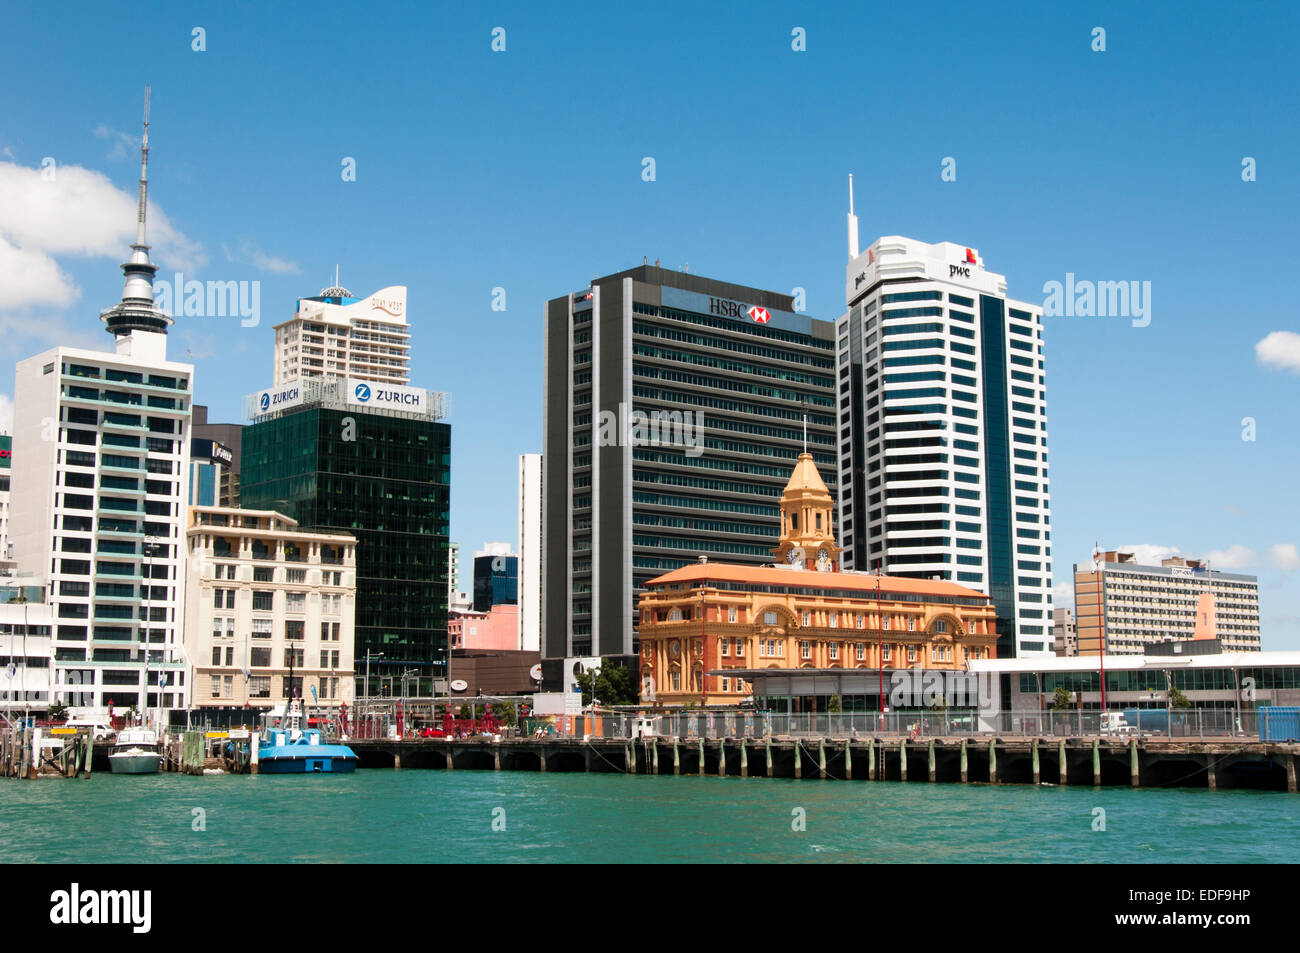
480,816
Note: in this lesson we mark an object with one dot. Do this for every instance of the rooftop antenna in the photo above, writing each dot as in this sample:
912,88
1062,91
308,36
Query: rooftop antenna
853,224
144,173
805,433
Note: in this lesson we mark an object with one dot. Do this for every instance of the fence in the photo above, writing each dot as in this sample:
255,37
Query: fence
688,724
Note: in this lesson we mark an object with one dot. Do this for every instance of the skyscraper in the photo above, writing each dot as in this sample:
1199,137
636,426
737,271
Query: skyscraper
337,335
943,430
99,496
675,406
530,551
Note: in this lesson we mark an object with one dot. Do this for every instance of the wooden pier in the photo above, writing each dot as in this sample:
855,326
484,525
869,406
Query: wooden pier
1148,762
46,753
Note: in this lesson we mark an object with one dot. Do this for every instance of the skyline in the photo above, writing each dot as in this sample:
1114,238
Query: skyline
1131,466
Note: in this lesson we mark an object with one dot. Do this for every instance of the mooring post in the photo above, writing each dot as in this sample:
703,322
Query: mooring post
1212,772
677,758
1290,774
902,758
1133,762
1061,762
397,759
964,775
654,756
1096,762
722,757
1037,766
848,761
744,760
701,767
934,773
496,759
252,752
871,760
821,758
768,746
90,752
993,761
798,767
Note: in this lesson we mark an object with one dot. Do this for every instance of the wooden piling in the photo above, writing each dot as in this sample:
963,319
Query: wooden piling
1062,764
902,758
677,759
1133,763
1290,774
934,773
1212,772
798,767
848,761
993,761
871,760
768,746
821,758
744,760
1037,765
964,764
1096,762
701,770
722,757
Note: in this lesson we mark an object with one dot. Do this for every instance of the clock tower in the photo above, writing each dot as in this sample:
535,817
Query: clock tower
807,539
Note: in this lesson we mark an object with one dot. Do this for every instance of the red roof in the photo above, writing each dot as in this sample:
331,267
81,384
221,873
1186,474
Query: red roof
722,573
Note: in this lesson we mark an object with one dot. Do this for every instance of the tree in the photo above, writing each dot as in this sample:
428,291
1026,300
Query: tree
58,712
1062,699
1178,700
614,685
833,705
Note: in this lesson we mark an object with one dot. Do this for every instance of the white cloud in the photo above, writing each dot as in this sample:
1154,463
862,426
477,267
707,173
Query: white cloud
77,212
1284,556
1150,554
1280,349
1063,595
1235,556
6,414
121,144
249,254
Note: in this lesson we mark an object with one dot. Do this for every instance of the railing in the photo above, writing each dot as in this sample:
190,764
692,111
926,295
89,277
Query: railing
1144,723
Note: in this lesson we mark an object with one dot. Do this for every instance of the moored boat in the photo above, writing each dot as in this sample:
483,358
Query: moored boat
135,752
288,748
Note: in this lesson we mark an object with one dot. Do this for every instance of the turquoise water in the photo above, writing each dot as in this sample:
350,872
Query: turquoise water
421,816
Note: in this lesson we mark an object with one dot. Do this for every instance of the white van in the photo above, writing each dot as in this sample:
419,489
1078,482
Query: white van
1113,723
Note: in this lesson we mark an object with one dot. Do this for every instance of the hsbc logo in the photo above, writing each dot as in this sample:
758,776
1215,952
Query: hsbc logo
735,309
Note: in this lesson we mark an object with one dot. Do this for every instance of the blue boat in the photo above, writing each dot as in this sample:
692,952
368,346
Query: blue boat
285,747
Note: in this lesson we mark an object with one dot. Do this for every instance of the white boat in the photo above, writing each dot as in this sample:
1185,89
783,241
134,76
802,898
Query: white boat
135,752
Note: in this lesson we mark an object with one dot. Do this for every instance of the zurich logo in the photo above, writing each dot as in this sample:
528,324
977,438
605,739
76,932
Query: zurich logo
363,392
265,402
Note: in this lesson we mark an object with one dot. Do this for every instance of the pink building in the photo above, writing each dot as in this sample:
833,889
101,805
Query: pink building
496,629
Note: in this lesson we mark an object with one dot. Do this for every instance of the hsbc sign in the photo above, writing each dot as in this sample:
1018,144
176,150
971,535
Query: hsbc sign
734,309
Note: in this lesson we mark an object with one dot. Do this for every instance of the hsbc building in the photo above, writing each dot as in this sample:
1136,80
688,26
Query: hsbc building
741,363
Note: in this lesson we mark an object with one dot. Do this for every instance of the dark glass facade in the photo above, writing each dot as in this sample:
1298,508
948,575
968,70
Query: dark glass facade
386,480
997,470
496,582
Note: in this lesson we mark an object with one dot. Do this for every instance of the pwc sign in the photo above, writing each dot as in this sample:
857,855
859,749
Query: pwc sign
963,270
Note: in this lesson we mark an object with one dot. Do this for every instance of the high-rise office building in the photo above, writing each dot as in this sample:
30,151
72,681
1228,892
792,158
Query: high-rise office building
1128,606
99,499
230,437
674,407
530,551
496,577
340,456
337,335
943,430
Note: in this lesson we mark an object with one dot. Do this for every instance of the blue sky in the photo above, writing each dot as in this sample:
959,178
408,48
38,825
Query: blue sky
522,170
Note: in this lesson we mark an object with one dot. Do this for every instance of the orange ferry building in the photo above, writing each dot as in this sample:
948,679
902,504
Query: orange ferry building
801,616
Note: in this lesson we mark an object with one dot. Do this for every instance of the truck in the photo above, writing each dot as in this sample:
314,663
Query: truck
1114,723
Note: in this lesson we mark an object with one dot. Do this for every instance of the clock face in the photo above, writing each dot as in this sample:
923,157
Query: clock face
823,554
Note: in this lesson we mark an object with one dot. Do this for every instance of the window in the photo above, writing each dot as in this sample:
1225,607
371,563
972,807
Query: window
261,628
740,649
861,620
724,645
263,574
216,655
941,626
229,689
835,621
884,623
835,650
295,602
259,686
911,653
263,600
298,575
731,614
860,651
807,618
769,618
677,680
324,659
260,657
805,649
216,686
726,684
293,657
885,652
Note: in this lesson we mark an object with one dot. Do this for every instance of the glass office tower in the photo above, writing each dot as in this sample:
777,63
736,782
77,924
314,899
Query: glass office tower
383,476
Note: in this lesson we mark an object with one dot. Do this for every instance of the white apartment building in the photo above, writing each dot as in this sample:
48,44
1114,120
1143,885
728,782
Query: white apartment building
98,505
943,430
26,655
261,594
337,335
530,551
1127,605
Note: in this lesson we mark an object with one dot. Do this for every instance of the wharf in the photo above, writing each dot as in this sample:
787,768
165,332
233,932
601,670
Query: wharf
1146,762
